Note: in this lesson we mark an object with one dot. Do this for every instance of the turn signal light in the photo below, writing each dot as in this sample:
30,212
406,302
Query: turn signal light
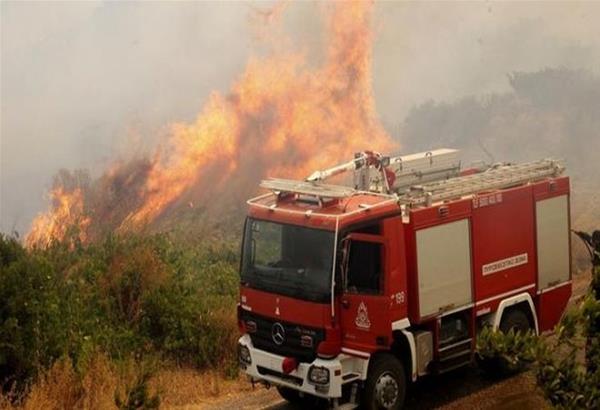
244,355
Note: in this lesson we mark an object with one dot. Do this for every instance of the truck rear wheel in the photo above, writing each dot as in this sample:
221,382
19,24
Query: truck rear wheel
385,387
498,367
516,320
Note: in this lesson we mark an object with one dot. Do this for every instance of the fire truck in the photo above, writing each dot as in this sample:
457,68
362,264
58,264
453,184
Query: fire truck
350,291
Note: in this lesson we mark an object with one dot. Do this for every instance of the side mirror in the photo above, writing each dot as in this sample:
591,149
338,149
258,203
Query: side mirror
252,250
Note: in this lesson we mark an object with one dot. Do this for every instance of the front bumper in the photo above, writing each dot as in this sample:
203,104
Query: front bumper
266,367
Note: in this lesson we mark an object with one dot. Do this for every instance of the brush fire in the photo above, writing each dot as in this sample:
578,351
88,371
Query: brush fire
360,271
281,117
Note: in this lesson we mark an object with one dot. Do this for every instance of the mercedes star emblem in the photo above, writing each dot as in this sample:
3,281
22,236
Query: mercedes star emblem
278,333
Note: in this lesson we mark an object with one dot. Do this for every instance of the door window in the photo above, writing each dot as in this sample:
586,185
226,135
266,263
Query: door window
364,268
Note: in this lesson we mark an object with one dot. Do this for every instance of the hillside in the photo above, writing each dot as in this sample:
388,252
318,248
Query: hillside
549,113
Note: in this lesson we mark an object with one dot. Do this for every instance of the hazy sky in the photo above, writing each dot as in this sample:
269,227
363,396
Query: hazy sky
81,80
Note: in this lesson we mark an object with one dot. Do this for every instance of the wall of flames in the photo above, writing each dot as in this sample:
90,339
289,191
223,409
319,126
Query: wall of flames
282,117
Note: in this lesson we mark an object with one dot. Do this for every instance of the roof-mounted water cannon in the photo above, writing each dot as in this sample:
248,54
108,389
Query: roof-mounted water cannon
360,165
378,173
373,173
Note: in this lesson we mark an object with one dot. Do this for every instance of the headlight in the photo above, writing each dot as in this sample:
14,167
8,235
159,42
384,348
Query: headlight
250,326
244,354
318,375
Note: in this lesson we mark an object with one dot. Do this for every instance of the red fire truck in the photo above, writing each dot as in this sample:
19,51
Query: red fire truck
356,289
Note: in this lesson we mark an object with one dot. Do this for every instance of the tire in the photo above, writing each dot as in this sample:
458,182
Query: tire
289,395
299,400
385,387
516,320
498,367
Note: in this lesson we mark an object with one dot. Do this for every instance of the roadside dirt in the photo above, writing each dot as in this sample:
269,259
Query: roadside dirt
467,388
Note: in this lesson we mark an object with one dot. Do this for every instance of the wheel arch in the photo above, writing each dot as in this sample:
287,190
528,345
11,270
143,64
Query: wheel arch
521,301
404,349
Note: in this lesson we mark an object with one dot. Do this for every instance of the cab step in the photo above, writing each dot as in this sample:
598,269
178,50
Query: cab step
346,406
454,356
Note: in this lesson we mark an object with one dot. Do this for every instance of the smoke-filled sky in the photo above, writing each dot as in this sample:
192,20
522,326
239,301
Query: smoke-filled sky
85,82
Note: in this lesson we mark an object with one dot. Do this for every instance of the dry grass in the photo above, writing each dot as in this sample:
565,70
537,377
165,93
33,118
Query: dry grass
58,388
99,384
62,387
188,388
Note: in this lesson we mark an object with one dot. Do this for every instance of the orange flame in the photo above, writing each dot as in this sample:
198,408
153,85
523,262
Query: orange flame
66,214
281,118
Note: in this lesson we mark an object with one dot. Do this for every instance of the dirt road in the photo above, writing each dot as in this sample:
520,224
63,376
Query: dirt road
467,388
459,390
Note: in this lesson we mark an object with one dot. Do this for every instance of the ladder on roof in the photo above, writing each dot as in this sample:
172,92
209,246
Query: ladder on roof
499,177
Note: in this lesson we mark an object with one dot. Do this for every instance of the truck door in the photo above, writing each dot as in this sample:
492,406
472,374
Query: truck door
365,309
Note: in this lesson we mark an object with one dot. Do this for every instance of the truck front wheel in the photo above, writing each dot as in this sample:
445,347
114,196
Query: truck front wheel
289,395
298,399
385,387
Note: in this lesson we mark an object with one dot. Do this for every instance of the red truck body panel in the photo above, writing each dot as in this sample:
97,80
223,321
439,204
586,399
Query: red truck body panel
500,230
286,308
502,224
503,261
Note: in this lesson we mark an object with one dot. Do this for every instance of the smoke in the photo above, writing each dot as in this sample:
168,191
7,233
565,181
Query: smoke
548,113
282,116
85,83
447,50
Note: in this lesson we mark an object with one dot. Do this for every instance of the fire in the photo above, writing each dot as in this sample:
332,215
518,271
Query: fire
281,117
65,217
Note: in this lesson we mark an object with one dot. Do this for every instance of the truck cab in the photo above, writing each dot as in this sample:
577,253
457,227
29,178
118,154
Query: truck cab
349,294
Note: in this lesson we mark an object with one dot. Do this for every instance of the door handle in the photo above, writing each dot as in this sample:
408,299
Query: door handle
345,303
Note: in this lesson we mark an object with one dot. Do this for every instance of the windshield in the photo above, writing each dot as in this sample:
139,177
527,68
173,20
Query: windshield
289,260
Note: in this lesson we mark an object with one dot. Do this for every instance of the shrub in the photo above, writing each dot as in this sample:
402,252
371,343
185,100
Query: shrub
505,352
135,393
567,363
567,380
143,295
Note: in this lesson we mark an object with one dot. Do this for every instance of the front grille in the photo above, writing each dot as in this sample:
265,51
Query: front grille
262,337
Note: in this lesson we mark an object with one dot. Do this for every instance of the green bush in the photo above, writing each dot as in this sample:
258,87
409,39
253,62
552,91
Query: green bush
569,379
566,363
505,352
134,294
